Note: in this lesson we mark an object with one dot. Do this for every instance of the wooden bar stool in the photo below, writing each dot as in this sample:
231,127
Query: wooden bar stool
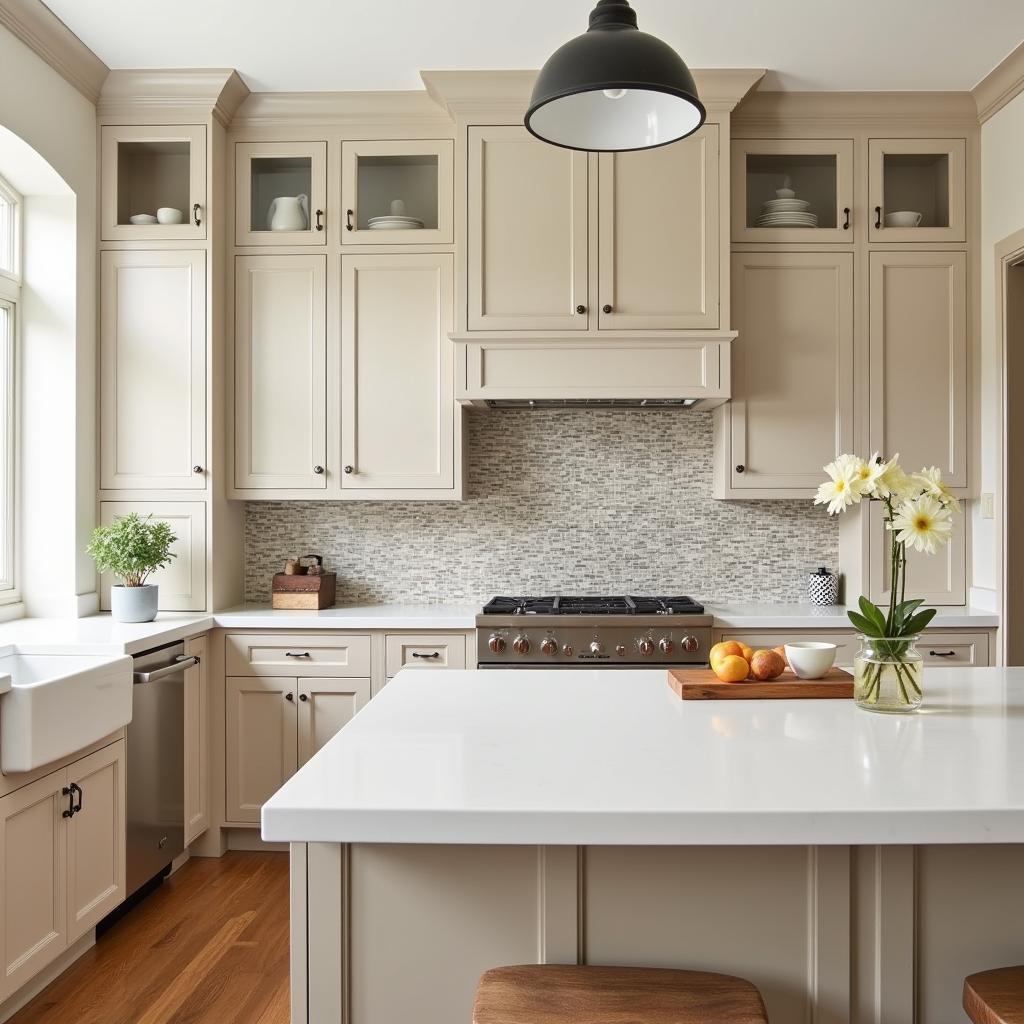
551,994
995,997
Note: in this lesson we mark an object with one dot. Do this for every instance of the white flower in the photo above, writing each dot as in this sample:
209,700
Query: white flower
892,482
930,482
923,523
866,474
840,491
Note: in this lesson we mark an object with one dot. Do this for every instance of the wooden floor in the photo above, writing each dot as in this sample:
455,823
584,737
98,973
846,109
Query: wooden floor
210,946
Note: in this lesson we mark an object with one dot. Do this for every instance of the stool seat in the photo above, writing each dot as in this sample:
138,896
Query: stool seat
554,994
995,997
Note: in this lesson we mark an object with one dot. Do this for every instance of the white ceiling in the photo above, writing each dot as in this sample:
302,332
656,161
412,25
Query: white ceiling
383,44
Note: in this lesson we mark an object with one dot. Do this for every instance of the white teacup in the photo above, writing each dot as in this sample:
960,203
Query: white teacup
169,215
811,659
903,219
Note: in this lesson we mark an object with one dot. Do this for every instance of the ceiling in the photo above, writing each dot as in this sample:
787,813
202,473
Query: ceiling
383,44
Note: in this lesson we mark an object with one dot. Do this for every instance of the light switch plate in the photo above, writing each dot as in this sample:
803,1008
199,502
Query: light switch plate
988,505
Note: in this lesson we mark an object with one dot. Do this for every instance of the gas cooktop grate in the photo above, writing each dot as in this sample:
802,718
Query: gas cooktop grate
596,605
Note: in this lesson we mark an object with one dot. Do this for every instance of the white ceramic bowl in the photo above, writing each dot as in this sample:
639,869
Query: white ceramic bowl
142,218
169,215
903,219
812,659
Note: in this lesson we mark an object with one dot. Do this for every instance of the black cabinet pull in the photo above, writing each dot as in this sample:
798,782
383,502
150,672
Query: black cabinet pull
195,214
606,308
76,788
290,696
878,217
319,220
741,469
349,214
303,698
69,811
846,223
942,654
581,309
296,654
433,654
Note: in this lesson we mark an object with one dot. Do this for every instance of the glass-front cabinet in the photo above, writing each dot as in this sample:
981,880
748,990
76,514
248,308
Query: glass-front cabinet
280,193
917,190
153,182
792,190
397,193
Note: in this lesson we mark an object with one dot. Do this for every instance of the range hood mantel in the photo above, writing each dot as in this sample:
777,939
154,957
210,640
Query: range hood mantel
659,367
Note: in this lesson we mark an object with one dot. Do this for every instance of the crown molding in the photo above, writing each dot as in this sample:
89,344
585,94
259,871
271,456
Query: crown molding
350,109
465,94
1002,84
173,93
49,38
829,112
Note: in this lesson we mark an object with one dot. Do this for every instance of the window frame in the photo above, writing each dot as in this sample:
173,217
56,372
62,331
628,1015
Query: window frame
10,296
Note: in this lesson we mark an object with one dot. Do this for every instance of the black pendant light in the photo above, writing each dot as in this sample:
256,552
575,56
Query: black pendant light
614,88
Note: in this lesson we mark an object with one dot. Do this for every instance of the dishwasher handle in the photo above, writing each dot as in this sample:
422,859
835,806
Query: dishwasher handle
180,664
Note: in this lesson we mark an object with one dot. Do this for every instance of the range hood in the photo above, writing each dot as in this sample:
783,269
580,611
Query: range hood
650,369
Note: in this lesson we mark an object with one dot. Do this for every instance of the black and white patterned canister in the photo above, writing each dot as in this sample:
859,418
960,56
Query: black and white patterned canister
823,586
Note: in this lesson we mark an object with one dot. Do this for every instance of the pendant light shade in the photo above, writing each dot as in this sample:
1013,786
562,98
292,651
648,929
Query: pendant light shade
614,88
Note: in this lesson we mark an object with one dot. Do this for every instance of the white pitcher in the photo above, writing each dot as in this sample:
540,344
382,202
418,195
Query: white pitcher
289,213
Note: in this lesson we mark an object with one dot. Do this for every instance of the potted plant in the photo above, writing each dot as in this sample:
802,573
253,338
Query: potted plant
132,548
918,513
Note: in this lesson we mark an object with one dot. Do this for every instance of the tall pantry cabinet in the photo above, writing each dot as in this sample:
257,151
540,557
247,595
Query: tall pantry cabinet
161,323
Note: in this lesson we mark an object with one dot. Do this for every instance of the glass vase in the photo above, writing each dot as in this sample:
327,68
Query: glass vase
887,674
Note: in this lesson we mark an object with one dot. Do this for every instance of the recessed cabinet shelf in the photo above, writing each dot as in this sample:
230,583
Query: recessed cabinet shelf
280,193
792,190
151,172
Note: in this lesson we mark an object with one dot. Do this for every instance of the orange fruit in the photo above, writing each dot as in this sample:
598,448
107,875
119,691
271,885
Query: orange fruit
723,650
732,669
748,652
767,665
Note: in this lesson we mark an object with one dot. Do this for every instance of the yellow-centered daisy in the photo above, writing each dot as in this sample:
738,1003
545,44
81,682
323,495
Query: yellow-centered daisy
923,524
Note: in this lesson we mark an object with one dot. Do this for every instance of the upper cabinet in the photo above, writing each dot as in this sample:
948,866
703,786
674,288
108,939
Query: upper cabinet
397,193
153,182
917,190
792,190
527,251
280,193
658,236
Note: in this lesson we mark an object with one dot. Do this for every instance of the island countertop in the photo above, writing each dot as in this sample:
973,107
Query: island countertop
615,758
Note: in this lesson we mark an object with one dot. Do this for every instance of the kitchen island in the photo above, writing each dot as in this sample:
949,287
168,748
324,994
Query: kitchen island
854,866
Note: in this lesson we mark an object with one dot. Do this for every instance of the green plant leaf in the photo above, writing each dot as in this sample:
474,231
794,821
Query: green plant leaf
132,547
865,625
873,614
917,623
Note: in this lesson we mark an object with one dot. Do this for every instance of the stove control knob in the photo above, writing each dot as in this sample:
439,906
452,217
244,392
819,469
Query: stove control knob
646,646
666,646
620,650
548,646
496,643
690,644
596,647
521,644
568,651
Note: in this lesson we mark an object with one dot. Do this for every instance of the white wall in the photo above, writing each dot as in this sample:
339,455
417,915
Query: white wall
1002,214
59,470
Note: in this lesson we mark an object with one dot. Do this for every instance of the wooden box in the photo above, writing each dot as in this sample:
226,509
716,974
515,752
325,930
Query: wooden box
306,592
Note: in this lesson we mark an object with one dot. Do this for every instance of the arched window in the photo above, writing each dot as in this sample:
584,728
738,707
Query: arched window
10,293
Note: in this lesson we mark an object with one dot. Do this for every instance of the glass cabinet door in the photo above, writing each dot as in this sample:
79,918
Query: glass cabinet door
153,182
280,193
917,190
397,193
792,190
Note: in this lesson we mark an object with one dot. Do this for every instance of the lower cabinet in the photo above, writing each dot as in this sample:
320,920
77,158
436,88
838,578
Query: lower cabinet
197,741
275,724
62,848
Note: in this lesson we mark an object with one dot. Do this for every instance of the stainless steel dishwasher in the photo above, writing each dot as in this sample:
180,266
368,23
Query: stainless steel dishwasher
156,763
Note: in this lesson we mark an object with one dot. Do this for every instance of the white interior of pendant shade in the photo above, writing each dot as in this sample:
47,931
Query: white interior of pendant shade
638,119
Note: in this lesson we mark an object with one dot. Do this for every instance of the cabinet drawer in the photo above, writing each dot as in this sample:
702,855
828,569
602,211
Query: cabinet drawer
305,654
847,643
424,650
954,648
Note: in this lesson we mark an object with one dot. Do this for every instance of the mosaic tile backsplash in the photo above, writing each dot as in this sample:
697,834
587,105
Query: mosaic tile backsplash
571,501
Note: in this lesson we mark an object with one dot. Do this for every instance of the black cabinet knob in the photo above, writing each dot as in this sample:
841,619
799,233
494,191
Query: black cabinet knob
290,696
581,310
606,308
741,469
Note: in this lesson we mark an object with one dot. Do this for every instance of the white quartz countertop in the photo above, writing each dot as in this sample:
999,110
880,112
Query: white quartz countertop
100,634
592,757
374,616
808,616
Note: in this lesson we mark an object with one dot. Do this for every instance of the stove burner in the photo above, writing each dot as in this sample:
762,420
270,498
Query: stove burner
600,605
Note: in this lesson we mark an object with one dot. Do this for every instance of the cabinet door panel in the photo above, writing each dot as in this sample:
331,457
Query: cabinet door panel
33,867
96,839
153,369
260,742
398,381
265,171
197,742
527,251
325,706
659,236
792,408
280,371
919,360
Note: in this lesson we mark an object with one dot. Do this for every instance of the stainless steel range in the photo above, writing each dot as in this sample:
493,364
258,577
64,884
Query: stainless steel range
592,632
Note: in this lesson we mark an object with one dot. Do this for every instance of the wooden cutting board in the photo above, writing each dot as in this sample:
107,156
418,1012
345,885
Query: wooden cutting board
703,684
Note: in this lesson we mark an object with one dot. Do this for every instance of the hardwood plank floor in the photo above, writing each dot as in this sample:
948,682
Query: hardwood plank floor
210,946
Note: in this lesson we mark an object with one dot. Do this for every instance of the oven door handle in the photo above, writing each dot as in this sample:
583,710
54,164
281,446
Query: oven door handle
180,664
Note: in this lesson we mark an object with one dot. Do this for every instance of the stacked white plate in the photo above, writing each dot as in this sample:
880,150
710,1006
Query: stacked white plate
787,213
392,223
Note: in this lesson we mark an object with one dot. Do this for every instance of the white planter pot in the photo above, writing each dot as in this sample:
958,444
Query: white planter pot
134,604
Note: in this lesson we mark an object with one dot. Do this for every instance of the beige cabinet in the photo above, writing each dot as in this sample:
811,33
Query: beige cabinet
398,404
792,408
183,583
197,741
325,707
287,654
416,172
918,347
148,168
527,252
153,370
280,373
917,190
424,650
281,193
658,236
